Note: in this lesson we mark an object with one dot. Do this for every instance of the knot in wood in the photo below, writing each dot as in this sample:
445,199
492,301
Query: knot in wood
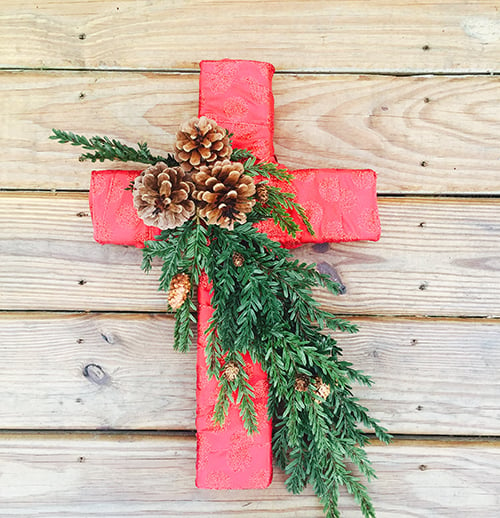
328,269
96,374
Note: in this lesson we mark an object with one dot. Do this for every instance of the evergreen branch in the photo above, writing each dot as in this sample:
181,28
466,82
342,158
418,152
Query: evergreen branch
110,149
236,391
213,351
266,307
183,332
256,168
182,249
222,404
281,208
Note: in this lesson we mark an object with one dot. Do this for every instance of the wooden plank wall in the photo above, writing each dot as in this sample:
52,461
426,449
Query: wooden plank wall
96,411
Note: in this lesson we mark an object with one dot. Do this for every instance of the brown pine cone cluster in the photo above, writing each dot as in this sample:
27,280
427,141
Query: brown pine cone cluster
205,181
201,142
178,291
224,193
162,196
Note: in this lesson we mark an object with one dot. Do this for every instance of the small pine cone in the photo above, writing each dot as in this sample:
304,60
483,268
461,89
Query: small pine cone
201,142
238,259
301,382
321,389
178,291
231,371
262,193
223,193
162,196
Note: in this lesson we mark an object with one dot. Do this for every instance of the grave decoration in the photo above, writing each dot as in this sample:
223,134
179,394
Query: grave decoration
221,215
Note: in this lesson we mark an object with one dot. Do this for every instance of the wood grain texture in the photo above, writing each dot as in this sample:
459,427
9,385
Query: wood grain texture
436,257
352,90
421,134
118,476
70,371
119,371
349,36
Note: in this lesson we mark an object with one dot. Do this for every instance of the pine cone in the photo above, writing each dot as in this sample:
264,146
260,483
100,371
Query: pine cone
162,196
321,389
223,193
178,291
302,382
231,370
262,193
238,259
201,142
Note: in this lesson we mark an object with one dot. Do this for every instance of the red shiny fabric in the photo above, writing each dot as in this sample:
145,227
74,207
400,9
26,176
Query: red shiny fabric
227,457
341,205
114,217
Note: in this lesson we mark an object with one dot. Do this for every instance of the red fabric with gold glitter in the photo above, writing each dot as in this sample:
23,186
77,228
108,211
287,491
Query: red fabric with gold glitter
341,205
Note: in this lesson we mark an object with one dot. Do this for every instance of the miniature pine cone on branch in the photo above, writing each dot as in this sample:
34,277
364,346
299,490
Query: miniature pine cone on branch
262,193
231,371
178,291
162,196
223,193
238,259
201,142
301,383
321,389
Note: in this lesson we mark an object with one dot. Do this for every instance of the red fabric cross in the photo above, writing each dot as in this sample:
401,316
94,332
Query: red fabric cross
341,205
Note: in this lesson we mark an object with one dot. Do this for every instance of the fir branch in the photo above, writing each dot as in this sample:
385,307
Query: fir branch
266,307
281,208
213,351
184,320
237,391
253,167
182,249
110,149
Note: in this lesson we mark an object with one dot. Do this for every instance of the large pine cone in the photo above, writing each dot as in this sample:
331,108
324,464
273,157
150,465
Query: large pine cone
162,196
223,193
201,142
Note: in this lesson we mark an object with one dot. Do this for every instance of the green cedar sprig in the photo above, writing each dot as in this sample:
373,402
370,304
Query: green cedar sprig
281,204
280,207
238,391
256,168
265,307
110,149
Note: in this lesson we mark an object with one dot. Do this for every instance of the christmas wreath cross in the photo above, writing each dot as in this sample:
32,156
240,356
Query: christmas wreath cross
221,214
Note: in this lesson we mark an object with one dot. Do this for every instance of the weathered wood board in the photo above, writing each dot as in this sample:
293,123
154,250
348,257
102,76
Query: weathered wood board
119,371
432,135
96,409
348,36
436,257
64,476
